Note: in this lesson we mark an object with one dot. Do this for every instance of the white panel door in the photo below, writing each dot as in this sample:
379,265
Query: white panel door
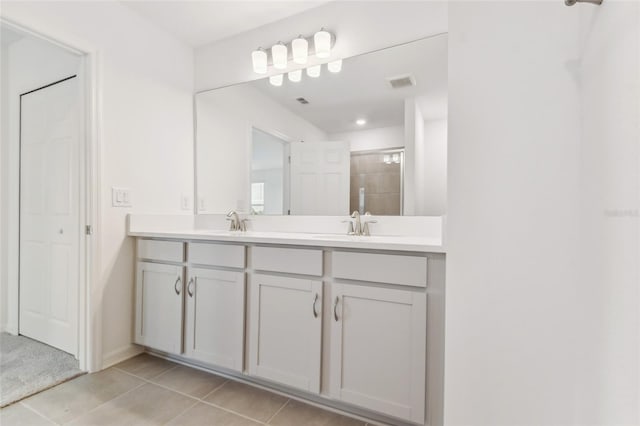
215,317
285,335
159,306
49,214
378,349
320,178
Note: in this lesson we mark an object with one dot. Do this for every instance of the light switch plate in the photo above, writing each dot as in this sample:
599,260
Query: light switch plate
121,197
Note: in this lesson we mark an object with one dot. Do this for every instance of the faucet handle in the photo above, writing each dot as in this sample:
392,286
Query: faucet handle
350,228
243,225
365,227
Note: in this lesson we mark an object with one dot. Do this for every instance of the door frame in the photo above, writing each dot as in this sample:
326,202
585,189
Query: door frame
89,305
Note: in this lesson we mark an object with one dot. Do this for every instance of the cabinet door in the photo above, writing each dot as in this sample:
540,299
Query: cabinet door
215,317
159,306
285,336
378,349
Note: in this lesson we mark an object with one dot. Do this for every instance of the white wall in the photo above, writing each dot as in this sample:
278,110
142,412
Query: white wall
372,139
431,163
225,119
30,63
4,136
528,339
609,76
146,134
360,26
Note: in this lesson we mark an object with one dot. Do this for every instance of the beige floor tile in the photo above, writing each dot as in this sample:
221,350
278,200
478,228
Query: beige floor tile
187,380
19,415
146,405
69,400
247,400
204,415
146,366
297,413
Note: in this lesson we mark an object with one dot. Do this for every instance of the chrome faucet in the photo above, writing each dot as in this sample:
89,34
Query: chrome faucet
237,224
357,226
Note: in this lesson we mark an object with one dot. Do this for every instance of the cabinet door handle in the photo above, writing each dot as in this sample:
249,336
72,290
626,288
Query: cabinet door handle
189,288
315,300
335,308
176,287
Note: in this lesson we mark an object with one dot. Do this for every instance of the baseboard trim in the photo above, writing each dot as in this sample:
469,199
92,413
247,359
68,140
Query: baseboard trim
114,357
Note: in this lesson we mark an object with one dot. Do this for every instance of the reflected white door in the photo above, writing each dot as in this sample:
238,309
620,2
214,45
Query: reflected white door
49,214
320,173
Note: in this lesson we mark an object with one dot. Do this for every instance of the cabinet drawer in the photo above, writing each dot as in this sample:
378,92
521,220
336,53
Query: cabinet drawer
381,268
168,251
292,261
229,256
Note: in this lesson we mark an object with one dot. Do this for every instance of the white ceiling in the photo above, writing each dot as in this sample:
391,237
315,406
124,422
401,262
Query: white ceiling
361,88
201,22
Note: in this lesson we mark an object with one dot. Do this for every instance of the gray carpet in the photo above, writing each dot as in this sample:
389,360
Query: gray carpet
28,367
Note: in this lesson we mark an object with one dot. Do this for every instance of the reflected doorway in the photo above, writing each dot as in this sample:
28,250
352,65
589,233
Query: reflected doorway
269,173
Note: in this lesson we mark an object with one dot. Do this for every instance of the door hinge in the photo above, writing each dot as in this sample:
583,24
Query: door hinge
88,230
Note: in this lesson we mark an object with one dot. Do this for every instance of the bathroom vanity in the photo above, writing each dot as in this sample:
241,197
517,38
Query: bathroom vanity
355,323
296,304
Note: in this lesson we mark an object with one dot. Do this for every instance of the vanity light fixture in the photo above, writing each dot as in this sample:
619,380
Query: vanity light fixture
295,76
322,43
276,80
314,71
279,55
361,121
300,50
335,66
259,60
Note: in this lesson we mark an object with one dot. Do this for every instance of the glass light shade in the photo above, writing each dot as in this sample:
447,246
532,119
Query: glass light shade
276,80
300,50
314,71
387,159
295,76
259,59
279,56
322,43
395,158
335,66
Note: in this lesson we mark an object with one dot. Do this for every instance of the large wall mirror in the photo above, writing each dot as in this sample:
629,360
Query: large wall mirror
371,137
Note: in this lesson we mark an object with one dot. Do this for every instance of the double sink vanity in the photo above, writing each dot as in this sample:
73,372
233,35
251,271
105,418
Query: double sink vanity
350,322
297,296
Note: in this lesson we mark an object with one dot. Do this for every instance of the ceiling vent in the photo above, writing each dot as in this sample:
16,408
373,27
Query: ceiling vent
303,101
401,81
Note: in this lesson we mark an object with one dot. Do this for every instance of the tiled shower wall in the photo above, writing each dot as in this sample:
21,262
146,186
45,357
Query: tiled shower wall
382,184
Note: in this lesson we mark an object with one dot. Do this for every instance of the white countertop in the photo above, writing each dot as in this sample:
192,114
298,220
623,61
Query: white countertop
386,242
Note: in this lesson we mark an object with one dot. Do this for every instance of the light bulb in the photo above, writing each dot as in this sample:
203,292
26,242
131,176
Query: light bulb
276,80
300,50
335,66
361,121
295,76
279,56
259,59
322,43
314,71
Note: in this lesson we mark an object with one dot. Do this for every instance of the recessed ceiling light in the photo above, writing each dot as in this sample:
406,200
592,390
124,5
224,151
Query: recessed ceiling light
361,121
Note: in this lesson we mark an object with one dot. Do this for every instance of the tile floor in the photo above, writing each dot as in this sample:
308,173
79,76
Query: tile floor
146,390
